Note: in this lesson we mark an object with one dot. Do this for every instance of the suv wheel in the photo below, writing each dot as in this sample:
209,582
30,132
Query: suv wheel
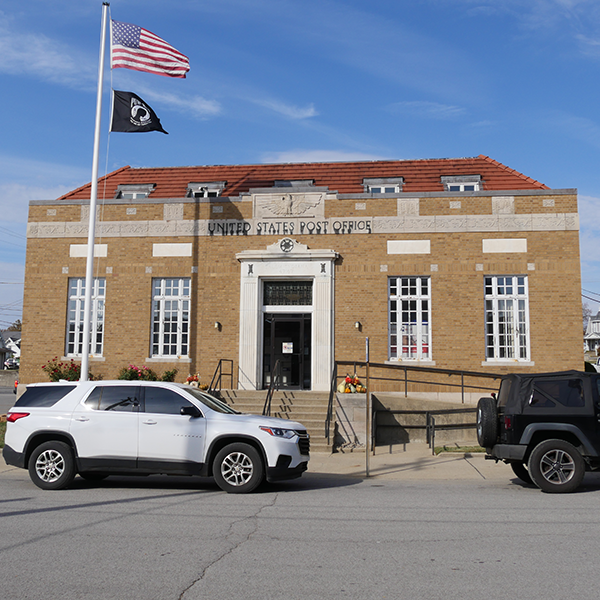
556,466
238,468
487,422
52,466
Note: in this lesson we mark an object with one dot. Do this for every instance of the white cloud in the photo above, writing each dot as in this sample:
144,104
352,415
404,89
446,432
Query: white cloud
295,156
192,105
38,55
23,180
288,110
423,108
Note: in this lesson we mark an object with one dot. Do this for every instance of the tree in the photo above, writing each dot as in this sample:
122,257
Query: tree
16,326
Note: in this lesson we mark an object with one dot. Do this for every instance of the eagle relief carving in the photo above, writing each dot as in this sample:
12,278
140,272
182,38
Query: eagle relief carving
286,205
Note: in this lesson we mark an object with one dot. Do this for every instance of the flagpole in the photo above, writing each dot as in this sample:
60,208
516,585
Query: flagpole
89,267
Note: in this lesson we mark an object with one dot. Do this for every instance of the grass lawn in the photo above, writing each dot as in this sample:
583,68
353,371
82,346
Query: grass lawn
2,432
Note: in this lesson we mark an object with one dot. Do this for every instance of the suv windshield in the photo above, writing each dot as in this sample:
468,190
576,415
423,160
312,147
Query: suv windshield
211,401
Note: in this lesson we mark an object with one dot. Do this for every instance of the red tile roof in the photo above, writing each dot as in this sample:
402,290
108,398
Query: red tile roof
343,177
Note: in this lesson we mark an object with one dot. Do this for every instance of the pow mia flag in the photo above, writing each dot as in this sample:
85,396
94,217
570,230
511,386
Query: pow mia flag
131,114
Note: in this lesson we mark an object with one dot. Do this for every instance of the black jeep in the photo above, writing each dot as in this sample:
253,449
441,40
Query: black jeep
546,426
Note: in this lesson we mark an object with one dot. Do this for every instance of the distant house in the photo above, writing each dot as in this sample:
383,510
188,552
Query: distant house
10,345
591,339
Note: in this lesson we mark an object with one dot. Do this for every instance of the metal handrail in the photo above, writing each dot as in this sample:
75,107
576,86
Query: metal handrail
219,374
430,426
273,386
406,368
332,391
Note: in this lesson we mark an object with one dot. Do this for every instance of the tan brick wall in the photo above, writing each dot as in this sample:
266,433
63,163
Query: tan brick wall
361,288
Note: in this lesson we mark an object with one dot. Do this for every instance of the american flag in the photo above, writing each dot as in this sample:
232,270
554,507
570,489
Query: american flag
135,48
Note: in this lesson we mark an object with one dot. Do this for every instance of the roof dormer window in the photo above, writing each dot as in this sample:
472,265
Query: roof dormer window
210,189
383,185
134,191
462,183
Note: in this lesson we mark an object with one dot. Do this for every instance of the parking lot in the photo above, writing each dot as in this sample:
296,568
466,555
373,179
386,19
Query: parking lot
449,527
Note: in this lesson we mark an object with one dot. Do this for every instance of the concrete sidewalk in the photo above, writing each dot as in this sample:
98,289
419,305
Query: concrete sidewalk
411,462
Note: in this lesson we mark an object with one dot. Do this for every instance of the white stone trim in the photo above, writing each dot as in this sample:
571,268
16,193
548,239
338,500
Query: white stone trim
80,250
409,247
159,250
275,263
504,245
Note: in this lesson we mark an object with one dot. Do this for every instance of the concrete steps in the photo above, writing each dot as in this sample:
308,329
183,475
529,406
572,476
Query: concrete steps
309,408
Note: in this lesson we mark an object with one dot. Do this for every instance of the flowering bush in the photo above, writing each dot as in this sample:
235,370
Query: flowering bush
195,378
57,370
131,372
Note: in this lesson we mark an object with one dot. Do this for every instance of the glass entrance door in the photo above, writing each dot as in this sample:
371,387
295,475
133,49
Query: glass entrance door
287,338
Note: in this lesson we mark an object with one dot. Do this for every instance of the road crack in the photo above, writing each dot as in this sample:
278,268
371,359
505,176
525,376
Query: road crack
232,533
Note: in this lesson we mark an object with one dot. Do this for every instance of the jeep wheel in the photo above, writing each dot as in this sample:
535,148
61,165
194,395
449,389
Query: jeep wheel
487,422
556,466
520,470
52,466
238,468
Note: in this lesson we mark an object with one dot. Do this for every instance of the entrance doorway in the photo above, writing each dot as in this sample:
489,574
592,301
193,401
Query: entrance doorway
287,338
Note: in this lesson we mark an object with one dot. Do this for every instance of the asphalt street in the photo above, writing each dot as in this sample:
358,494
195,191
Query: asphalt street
446,527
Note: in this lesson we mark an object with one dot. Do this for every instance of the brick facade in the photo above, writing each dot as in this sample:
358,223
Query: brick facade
454,225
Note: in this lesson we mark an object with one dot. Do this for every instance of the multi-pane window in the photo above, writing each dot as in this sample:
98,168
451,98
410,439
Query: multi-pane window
506,318
410,318
383,185
170,317
461,183
287,293
74,345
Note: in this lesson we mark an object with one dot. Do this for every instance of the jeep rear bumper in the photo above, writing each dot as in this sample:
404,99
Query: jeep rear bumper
508,452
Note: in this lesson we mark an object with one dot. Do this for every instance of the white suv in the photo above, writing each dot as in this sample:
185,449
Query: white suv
101,428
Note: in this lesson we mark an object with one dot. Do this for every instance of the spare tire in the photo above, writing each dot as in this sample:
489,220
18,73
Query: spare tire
487,422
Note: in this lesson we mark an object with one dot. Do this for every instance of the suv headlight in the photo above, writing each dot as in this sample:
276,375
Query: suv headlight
281,433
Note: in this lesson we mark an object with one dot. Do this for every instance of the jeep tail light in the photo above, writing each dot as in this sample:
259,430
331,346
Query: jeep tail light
507,423
12,417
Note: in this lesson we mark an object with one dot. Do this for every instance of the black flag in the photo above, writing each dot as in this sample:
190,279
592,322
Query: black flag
132,114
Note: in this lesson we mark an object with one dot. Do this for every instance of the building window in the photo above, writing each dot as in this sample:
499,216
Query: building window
383,185
209,189
506,318
134,191
288,293
170,317
75,317
462,183
410,318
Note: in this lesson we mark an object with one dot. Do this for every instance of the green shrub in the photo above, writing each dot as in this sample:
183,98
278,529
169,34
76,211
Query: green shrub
131,372
169,375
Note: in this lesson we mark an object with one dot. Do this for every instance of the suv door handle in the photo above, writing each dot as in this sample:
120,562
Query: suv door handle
82,419
150,422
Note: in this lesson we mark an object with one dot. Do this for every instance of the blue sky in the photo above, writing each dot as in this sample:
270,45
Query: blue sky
309,80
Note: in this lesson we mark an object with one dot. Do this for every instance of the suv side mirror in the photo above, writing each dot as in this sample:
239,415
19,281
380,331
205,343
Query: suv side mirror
191,411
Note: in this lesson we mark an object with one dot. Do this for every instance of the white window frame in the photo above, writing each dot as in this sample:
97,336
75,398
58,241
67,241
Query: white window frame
171,297
75,310
409,338
383,185
507,334
211,189
134,191
462,183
